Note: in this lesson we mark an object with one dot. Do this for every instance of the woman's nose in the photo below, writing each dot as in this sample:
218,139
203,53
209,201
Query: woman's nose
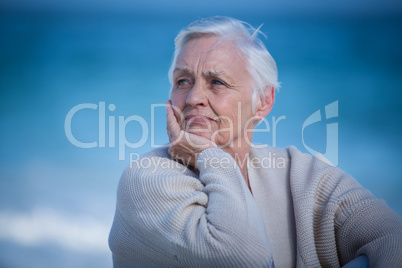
197,96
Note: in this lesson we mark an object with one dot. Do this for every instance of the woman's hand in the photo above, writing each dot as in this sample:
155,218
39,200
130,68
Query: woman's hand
184,147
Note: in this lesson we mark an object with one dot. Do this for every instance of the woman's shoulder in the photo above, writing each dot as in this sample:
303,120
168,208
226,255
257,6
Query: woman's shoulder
157,161
306,172
289,154
154,168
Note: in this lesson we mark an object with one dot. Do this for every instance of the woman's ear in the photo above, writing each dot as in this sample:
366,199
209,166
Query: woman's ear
265,104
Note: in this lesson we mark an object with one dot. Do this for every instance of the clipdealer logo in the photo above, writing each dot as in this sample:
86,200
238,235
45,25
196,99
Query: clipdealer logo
332,137
107,124
101,143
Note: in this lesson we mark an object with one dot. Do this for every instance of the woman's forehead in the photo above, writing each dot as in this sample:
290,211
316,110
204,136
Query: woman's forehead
208,54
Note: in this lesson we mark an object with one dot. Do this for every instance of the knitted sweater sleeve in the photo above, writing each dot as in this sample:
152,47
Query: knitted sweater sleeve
365,225
338,220
170,217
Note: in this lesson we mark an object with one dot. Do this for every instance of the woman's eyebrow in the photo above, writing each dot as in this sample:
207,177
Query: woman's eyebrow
218,74
183,70
206,74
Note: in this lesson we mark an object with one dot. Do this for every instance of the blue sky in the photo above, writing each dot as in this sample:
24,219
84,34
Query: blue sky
186,7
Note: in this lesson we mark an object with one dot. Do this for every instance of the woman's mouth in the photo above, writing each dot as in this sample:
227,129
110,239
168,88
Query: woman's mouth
198,119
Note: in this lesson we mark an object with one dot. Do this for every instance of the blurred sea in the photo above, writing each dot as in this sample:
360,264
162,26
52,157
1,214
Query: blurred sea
57,201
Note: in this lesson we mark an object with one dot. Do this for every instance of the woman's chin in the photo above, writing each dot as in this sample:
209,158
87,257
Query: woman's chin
200,132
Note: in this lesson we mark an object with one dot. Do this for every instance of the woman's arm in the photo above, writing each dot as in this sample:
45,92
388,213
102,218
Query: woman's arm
367,226
169,215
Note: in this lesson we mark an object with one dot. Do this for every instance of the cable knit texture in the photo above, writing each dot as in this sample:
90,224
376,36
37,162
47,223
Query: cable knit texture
169,216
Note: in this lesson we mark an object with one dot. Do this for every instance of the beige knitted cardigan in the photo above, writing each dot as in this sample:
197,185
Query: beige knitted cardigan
169,216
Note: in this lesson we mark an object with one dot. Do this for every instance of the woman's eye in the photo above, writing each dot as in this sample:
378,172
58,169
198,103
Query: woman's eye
181,82
217,82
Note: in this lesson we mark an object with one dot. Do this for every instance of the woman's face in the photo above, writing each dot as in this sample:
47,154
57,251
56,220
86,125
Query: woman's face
212,91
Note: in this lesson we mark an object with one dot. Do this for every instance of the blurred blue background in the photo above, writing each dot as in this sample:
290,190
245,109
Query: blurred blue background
57,200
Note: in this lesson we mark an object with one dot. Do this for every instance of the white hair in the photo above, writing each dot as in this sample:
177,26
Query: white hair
261,65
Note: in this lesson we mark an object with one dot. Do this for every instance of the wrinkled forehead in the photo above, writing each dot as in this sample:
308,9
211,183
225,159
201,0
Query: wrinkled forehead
213,50
208,43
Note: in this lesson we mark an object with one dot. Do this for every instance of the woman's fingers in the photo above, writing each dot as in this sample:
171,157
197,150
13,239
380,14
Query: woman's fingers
172,126
184,147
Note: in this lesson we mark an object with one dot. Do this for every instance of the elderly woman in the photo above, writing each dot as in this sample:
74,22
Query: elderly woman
208,200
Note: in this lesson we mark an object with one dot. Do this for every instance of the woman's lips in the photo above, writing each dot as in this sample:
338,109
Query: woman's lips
197,119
